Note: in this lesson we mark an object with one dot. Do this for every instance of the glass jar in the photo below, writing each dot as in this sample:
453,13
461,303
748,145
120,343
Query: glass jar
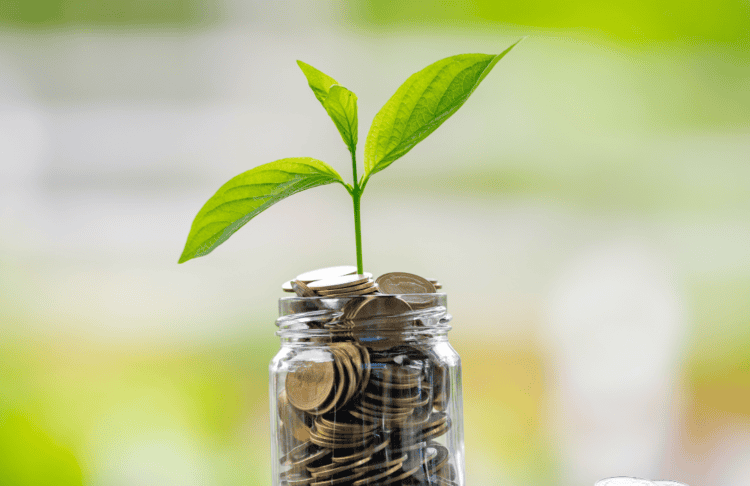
365,391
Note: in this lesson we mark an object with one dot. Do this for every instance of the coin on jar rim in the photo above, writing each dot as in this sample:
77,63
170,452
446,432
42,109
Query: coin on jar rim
327,272
310,384
339,281
301,289
347,293
404,283
350,288
287,286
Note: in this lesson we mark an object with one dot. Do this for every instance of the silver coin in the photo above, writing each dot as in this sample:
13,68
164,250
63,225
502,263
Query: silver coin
328,272
340,281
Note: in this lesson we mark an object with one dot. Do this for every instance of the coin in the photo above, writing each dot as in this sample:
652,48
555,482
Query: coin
349,288
298,480
378,476
327,272
405,475
338,388
287,286
329,443
331,482
308,456
382,463
366,366
404,283
374,307
339,281
354,357
370,451
345,292
310,384
301,289
352,382
332,469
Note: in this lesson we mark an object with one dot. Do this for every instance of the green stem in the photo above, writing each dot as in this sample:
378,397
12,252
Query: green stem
356,197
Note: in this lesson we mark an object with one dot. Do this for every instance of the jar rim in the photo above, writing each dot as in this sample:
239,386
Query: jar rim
427,313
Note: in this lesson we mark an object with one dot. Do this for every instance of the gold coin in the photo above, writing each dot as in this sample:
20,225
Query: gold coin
310,384
382,465
297,480
301,289
287,286
405,475
370,451
367,291
351,381
377,414
366,418
374,307
343,421
332,482
404,283
436,432
378,408
352,288
332,469
328,272
389,385
365,366
338,389
327,443
345,292
355,357
309,458
339,281
393,402
375,477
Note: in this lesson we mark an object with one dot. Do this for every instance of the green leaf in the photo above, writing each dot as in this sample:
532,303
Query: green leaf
339,102
341,105
247,195
422,104
319,82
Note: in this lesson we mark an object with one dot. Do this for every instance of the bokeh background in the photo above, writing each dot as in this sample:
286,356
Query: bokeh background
587,212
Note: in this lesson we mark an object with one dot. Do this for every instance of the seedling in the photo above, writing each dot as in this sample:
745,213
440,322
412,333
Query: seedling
420,105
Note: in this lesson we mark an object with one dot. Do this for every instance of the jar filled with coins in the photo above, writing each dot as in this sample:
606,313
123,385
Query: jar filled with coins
366,388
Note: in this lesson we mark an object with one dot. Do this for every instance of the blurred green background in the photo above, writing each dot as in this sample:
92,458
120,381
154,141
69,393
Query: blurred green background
587,212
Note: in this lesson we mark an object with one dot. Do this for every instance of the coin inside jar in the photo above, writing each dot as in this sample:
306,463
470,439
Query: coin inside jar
310,384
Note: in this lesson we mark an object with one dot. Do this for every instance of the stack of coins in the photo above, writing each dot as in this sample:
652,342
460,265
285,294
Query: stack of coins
343,281
368,410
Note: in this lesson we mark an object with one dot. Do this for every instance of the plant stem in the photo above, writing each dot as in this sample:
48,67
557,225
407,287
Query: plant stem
356,197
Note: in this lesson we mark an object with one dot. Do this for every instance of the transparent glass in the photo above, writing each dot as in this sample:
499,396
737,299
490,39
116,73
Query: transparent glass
374,399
